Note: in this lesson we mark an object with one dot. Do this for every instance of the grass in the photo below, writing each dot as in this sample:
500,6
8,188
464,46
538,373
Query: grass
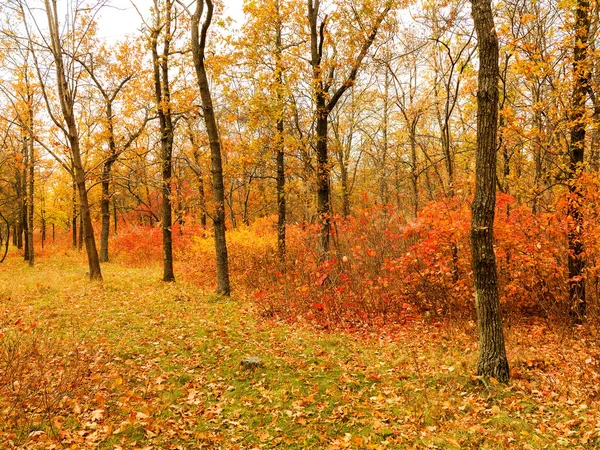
136,363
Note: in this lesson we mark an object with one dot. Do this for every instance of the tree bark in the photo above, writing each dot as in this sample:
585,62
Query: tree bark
105,210
198,47
25,199
492,354
280,157
163,103
576,258
30,198
74,216
67,102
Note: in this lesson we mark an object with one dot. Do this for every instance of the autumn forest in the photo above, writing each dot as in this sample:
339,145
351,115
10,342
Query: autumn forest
299,224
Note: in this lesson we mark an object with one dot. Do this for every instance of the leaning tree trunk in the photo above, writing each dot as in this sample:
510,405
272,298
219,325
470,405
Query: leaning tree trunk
492,353
67,103
198,47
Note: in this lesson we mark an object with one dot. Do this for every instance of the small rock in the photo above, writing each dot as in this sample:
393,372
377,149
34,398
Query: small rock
252,362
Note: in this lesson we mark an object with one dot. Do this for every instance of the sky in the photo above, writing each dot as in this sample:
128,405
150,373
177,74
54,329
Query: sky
121,19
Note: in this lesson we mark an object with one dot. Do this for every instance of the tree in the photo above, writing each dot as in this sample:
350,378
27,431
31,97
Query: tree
66,95
198,41
323,77
162,26
492,354
578,118
110,91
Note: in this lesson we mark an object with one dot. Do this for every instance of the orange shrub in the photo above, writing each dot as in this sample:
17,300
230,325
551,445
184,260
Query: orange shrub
383,268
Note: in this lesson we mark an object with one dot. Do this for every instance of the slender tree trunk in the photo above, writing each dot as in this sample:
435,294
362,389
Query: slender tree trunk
200,176
30,198
163,102
43,217
198,47
202,194
280,157
492,353
31,173
414,172
345,185
105,210
383,180
323,177
324,104
74,216
576,258
81,233
25,200
66,97
115,217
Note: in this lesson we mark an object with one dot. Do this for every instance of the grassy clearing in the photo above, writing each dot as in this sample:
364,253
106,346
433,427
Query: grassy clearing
136,363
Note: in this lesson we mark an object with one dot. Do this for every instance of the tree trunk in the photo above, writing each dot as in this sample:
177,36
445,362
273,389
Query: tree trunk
30,198
66,98
492,354
163,103
81,233
115,218
280,157
74,216
105,210
198,47
323,169
576,258
324,104
25,200
345,185
414,172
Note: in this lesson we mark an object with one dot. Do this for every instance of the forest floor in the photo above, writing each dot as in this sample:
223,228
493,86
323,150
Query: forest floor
136,363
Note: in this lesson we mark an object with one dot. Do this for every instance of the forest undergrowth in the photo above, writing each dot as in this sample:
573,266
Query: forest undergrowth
133,362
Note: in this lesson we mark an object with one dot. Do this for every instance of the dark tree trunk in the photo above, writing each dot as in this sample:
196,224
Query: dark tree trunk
198,48
492,353
115,218
25,200
414,171
576,256
30,197
323,174
74,216
324,104
202,194
163,102
81,233
105,210
281,200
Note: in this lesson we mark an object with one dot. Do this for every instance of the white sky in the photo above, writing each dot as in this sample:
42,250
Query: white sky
121,19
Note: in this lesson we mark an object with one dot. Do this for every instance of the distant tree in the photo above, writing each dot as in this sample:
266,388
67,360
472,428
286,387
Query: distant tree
66,89
324,67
